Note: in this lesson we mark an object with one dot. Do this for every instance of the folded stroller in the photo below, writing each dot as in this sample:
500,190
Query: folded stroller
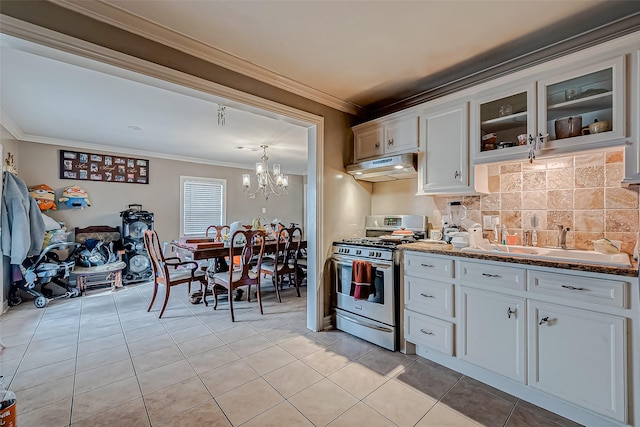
42,270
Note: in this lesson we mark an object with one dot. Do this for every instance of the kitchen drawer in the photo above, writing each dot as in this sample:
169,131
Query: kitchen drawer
428,296
481,273
612,293
419,265
428,331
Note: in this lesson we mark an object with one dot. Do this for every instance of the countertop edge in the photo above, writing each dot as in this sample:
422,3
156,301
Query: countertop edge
446,249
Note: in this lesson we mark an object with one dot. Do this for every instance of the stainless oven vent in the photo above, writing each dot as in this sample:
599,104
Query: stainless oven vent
401,166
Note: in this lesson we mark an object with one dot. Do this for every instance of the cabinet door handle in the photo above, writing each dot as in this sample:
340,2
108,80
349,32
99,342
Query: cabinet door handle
510,312
428,265
491,275
543,320
390,142
377,145
426,332
573,288
426,295
456,175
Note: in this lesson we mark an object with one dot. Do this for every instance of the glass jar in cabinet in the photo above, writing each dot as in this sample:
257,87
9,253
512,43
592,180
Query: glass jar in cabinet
584,108
503,122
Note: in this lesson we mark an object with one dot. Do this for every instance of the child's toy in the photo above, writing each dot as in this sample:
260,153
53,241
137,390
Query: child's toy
75,197
45,196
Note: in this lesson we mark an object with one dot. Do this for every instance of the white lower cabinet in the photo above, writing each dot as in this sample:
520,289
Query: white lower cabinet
492,331
562,339
580,356
428,331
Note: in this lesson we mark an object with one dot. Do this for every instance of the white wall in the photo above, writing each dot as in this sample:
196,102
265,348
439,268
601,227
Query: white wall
399,198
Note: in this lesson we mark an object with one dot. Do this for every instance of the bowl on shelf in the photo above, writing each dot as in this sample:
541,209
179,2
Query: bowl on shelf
506,144
597,127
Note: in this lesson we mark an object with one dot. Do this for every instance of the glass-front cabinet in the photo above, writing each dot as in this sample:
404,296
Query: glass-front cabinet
502,122
579,109
584,108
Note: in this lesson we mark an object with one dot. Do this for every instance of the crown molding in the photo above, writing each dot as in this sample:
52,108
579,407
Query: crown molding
10,125
88,146
119,18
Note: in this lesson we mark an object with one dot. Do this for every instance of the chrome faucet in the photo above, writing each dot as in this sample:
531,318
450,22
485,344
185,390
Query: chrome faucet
562,236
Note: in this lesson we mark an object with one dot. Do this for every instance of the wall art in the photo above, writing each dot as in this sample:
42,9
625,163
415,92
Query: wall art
103,167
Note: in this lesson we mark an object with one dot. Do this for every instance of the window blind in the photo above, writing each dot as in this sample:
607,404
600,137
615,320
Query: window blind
203,204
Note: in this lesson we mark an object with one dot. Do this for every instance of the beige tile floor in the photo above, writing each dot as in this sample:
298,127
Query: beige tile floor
102,360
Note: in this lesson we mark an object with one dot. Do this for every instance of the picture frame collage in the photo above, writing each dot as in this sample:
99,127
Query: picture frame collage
103,167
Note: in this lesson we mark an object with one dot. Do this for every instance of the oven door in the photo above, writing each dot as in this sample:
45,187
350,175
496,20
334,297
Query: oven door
379,304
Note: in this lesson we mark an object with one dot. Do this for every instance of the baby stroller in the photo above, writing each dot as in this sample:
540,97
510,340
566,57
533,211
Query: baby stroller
42,270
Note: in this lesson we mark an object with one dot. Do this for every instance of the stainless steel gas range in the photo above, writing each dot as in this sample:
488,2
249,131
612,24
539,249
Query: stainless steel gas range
375,316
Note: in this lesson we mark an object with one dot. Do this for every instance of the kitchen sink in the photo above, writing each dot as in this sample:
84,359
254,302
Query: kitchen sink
555,254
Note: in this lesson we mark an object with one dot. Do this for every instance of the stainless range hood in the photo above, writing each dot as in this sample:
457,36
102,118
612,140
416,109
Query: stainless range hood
400,166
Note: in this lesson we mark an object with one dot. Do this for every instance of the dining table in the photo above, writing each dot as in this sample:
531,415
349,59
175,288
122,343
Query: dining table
217,256
203,252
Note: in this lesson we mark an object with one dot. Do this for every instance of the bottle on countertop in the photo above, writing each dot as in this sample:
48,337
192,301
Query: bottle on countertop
504,233
635,248
534,237
496,232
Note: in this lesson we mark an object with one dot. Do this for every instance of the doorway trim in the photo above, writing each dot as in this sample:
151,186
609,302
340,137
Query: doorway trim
314,123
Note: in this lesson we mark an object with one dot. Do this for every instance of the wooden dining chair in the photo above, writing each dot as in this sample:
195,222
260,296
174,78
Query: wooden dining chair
286,261
244,270
170,271
219,231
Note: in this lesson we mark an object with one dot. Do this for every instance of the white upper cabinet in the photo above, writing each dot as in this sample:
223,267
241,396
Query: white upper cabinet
368,140
445,168
502,121
569,109
632,150
392,135
583,108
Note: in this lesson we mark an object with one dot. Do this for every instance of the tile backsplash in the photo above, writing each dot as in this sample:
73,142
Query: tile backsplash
581,192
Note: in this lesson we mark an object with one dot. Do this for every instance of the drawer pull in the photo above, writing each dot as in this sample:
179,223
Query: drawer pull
426,332
543,320
573,288
428,265
510,312
491,275
426,295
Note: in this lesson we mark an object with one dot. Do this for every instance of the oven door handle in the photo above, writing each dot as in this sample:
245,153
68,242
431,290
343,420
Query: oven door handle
376,265
367,325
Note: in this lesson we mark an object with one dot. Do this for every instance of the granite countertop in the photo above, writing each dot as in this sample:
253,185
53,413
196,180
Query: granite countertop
446,249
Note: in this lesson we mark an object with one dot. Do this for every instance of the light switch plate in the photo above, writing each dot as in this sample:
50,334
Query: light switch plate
490,221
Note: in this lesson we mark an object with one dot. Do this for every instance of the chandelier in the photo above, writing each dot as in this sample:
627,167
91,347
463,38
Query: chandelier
268,183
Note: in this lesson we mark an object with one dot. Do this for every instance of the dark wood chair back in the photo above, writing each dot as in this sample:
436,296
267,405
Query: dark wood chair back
246,248
286,261
166,271
220,229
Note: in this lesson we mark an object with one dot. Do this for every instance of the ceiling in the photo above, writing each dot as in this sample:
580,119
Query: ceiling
351,55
